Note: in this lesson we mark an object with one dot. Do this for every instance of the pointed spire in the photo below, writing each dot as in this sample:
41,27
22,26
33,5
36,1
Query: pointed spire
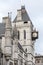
22,15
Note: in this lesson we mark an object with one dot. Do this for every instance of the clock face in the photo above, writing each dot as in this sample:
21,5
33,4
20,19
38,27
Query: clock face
34,34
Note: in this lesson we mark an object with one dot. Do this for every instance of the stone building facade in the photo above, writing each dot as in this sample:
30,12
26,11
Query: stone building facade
17,40
39,60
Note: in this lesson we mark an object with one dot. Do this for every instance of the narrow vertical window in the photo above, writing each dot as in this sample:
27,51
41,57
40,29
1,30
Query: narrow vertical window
24,34
18,35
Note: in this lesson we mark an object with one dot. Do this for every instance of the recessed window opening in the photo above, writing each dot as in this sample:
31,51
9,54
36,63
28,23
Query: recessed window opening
25,22
24,34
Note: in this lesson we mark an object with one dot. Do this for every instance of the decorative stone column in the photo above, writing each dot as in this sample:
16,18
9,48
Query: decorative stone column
15,45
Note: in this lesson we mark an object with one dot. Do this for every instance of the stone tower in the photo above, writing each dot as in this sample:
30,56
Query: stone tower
15,43
8,45
26,34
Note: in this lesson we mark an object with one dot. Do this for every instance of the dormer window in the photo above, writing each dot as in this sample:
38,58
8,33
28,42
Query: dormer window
25,22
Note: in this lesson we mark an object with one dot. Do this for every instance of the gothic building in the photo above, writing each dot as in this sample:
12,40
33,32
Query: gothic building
39,59
17,40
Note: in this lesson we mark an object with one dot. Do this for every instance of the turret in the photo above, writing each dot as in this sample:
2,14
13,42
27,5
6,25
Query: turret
8,45
26,34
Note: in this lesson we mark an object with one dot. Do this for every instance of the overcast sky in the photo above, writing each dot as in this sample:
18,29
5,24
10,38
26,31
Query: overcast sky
35,11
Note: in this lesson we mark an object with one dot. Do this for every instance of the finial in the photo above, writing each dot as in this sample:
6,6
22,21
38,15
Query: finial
22,2
9,15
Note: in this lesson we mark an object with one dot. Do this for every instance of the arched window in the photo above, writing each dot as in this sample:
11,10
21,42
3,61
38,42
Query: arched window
24,34
18,35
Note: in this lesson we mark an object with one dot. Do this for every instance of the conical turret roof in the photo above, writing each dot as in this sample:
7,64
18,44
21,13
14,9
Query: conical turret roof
24,15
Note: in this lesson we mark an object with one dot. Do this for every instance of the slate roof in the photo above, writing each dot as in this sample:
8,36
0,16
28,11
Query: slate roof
20,46
2,28
24,15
